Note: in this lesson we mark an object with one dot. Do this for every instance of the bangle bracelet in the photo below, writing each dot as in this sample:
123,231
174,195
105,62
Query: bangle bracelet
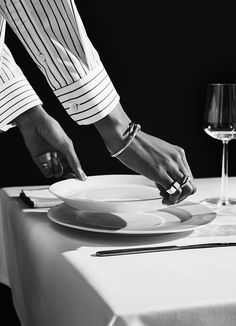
132,132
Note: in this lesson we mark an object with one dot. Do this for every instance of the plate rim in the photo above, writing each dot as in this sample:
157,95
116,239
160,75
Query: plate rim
123,232
150,183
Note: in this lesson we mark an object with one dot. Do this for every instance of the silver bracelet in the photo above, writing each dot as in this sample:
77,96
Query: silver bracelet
132,132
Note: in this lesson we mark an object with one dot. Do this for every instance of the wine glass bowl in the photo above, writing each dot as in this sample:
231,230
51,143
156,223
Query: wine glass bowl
220,123
220,132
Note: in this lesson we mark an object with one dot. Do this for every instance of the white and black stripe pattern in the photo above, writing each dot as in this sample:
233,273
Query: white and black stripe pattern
15,99
2,35
55,37
16,94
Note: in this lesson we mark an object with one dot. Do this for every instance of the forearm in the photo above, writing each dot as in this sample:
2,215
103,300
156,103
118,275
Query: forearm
29,118
112,128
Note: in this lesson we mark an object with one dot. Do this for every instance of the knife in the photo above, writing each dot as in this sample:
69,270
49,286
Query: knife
141,250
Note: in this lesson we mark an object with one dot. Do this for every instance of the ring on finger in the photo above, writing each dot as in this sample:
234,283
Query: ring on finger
55,158
44,165
57,166
173,187
186,179
54,155
171,190
44,158
176,185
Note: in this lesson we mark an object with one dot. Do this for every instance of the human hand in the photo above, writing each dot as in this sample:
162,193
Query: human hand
161,162
50,148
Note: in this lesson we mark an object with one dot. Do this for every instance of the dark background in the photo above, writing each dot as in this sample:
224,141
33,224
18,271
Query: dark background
160,58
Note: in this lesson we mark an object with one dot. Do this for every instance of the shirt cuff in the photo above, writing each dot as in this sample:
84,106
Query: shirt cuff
16,97
90,98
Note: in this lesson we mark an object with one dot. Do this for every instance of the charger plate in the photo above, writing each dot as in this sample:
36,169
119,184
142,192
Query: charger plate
179,218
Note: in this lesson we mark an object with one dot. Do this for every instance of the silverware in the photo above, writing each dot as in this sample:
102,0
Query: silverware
141,250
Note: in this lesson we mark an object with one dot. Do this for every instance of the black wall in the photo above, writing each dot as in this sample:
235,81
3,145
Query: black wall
161,59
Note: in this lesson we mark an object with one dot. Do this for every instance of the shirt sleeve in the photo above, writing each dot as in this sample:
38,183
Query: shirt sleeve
55,37
16,94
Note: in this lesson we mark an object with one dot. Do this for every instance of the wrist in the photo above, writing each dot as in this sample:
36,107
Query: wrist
29,118
113,127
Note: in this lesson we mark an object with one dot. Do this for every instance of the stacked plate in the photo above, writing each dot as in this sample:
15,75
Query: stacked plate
123,204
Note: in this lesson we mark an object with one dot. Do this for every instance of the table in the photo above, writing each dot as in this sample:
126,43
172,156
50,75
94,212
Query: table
56,279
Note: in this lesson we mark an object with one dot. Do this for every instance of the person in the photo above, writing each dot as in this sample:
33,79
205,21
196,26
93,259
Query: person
55,38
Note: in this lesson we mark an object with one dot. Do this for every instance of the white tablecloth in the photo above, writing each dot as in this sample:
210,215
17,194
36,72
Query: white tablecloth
56,279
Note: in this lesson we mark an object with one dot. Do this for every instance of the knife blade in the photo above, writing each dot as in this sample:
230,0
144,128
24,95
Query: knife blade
141,250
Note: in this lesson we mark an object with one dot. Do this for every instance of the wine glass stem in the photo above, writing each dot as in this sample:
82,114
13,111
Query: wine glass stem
224,198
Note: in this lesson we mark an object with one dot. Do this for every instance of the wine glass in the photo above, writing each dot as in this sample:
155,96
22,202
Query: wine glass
220,123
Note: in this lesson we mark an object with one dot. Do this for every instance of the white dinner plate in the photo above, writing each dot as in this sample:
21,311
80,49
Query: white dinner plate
109,193
179,218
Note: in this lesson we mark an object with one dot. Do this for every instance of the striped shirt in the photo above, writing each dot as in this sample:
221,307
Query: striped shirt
53,34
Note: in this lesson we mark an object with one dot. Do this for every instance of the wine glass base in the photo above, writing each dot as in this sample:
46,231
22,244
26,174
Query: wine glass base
221,207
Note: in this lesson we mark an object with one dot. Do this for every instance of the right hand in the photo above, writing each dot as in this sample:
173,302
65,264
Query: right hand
50,147
149,156
161,162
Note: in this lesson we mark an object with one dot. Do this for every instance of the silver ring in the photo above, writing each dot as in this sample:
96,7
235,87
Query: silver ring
44,165
185,180
176,185
171,190
54,155
44,158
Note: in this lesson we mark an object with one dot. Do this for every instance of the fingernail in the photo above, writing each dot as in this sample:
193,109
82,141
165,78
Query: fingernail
82,174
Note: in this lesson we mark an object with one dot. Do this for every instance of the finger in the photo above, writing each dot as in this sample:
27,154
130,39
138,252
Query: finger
162,191
69,175
56,164
187,190
170,194
193,185
44,163
167,198
182,181
73,162
187,171
46,169
172,199
164,194
187,186
43,158
185,162
67,171
179,171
